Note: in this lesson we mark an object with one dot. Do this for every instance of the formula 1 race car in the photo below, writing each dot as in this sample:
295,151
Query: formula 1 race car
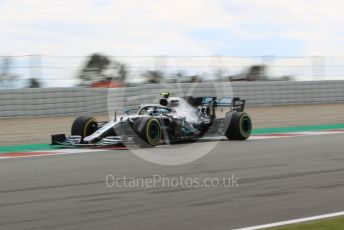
174,119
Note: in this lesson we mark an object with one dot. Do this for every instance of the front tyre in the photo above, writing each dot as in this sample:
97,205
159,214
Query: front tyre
150,134
84,126
239,126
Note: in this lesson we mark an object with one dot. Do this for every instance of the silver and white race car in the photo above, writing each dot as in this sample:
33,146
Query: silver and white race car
173,119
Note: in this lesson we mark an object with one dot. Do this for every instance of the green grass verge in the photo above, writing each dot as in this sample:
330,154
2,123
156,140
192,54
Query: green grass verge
37,147
327,224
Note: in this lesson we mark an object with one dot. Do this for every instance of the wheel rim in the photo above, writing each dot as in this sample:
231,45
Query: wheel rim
154,131
246,125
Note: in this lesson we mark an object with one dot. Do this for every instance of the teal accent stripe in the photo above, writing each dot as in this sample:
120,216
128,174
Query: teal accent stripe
25,148
297,129
37,147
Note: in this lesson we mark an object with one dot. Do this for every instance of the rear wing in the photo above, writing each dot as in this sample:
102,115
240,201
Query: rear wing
235,103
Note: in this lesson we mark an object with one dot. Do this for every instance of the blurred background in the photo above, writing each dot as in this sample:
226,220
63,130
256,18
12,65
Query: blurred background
87,42
101,70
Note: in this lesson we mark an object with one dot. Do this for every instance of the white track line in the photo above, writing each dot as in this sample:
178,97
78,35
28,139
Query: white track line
55,152
44,155
277,224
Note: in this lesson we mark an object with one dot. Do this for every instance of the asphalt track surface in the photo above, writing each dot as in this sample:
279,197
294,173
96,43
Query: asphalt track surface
279,179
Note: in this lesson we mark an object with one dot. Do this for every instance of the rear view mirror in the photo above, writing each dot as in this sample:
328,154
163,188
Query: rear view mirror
126,111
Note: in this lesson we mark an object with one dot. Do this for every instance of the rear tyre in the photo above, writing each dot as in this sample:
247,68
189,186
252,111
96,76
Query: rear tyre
84,126
239,126
149,134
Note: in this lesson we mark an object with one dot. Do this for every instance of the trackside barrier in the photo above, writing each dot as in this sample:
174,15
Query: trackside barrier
72,101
